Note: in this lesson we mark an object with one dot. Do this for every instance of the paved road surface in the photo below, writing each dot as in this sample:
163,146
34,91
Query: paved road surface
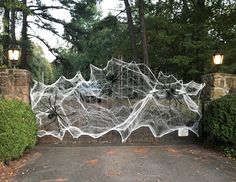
165,163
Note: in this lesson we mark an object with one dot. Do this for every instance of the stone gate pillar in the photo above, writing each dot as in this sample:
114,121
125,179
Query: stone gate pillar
218,85
15,84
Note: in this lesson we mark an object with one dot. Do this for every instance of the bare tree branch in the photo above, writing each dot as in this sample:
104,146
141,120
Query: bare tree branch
46,26
58,58
121,11
52,50
48,17
35,7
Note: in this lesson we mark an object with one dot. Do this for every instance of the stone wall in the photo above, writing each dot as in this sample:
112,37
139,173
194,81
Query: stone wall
218,85
15,84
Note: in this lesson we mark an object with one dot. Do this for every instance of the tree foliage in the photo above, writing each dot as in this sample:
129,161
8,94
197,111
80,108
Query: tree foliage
40,68
181,36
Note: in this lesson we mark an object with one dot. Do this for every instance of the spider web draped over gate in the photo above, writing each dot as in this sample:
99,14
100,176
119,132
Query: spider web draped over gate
122,97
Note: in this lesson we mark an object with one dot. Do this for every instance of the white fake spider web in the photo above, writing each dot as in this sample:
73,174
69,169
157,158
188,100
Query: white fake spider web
122,97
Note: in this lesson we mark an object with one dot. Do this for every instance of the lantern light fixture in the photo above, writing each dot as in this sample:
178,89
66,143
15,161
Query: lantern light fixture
13,54
218,58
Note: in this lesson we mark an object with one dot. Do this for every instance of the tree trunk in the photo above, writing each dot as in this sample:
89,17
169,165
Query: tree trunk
143,31
13,26
131,30
24,40
6,33
199,33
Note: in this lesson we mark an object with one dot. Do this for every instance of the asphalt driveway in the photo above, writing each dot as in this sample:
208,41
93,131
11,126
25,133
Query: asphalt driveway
167,163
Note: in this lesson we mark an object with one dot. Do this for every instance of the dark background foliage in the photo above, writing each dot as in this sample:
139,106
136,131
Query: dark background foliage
181,36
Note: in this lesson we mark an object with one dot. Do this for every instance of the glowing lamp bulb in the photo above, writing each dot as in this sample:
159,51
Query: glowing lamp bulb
13,54
218,58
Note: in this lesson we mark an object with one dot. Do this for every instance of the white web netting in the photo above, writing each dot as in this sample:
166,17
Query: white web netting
122,97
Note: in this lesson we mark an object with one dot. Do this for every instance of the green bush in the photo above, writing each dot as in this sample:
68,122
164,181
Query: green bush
230,151
220,119
17,129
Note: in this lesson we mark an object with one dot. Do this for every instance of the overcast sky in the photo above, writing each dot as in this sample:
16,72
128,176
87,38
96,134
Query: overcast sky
54,41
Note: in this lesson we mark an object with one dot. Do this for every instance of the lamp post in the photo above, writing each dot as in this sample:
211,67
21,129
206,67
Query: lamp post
13,55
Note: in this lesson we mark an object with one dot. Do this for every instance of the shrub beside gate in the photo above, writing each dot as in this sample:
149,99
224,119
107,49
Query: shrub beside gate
17,129
220,122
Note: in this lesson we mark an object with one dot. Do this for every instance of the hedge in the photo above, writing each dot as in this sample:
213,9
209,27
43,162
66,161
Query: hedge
17,129
220,119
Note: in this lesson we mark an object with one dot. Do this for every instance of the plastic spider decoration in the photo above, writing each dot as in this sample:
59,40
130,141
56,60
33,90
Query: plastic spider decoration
172,94
87,98
112,78
53,112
